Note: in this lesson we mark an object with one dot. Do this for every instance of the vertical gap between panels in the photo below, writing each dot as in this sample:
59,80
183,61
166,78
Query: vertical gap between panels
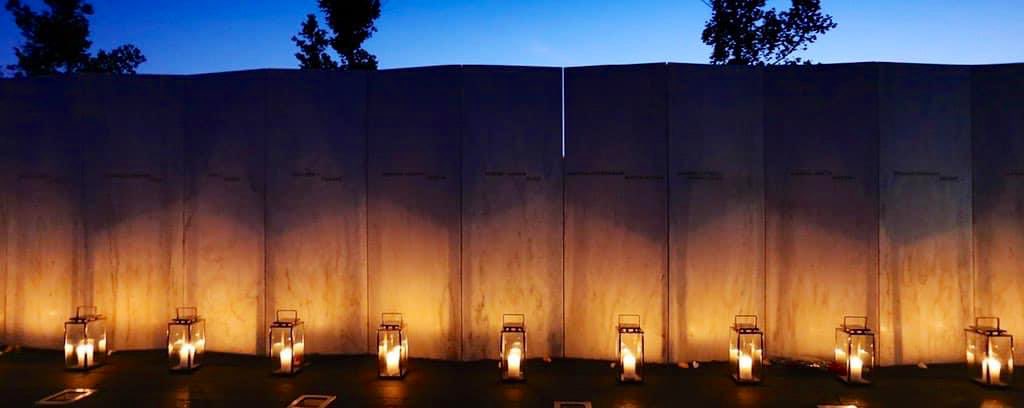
368,79
667,307
565,181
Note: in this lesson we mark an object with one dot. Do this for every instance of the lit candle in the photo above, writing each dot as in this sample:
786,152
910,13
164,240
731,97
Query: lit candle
392,359
840,355
300,349
628,365
84,352
286,360
69,349
746,367
514,357
991,368
856,366
970,357
185,355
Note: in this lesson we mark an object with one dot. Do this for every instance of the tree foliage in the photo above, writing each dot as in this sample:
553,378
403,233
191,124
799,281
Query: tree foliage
744,32
352,23
57,42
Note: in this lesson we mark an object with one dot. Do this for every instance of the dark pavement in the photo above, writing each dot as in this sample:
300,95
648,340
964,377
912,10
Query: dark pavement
141,379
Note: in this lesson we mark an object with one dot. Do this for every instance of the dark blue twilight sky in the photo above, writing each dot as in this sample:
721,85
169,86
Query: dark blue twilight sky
189,36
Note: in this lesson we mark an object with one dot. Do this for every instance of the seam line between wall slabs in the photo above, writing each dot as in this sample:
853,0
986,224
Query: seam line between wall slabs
562,162
666,329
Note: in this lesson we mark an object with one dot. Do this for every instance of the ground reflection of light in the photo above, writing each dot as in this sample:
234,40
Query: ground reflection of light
994,404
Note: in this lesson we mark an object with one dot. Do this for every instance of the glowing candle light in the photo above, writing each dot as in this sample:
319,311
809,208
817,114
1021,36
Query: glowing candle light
514,357
392,359
856,367
69,349
84,352
991,368
185,355
629,365
286,359
746,367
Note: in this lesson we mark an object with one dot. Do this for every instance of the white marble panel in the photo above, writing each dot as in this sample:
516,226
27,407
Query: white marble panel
998,137
716,207
414,239
616,256
925,233
226,131
316,205
133,189
46,243
821,143
512,207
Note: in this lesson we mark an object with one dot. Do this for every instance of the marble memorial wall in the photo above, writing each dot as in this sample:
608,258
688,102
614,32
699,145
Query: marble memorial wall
683,193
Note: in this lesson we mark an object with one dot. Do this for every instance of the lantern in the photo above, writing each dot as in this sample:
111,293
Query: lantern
392,346
186,339
512,344
855,350
287,342
746,349
85,339
989,352
631,349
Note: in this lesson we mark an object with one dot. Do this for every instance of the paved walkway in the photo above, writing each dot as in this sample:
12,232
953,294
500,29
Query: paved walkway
141,379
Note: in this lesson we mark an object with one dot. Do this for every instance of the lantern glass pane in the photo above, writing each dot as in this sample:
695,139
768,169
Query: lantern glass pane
974,353
181,351
860,358
299,339
748,357
282,350
85,344
631,356
513,355
199,340
392,352
997,366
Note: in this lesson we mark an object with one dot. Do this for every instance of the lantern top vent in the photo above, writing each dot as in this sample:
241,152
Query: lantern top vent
855,325
629,323
186,315
85,314
391,321
987,329
513,322
745,324
286,318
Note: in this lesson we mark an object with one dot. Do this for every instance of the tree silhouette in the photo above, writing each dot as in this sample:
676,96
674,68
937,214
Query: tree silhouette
743,32
313,42
57,42
352,22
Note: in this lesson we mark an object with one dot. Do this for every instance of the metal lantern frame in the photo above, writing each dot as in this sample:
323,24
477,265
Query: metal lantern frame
851,338
628,327
186,339
745,327
391,335
513,330
85,338
293,339
989,352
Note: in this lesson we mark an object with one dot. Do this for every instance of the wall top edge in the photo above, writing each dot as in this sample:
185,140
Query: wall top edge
287,71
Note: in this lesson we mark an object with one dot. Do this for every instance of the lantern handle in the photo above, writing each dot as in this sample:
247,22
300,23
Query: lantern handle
977,321
293,312
863,319
628,319
736,319
384,317
513,318
88,309
178,312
